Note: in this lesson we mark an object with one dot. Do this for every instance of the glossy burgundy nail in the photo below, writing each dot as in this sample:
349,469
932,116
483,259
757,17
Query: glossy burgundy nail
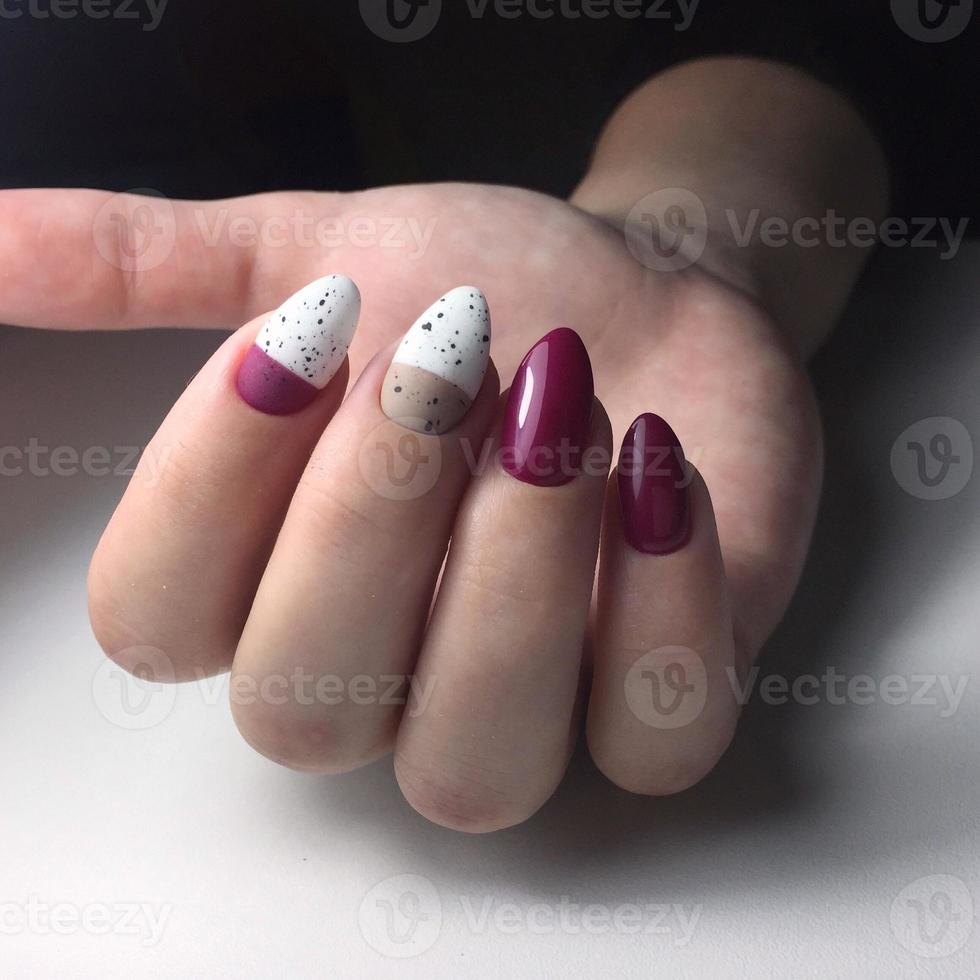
653,488
549,411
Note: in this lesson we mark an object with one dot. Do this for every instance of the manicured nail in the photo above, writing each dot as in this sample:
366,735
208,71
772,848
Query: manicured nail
301,347
438,369
653,488
549,411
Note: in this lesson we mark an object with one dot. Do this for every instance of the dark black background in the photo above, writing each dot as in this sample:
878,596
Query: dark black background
236,97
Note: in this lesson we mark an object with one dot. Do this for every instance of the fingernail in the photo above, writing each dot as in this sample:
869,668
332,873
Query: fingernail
653,488
301,347
549,411
438,369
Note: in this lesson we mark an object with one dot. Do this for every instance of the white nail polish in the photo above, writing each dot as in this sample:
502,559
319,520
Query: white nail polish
439,367
310,333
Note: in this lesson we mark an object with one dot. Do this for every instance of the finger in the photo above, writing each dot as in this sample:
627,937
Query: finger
96,260
662,708
178,565
502,654
322,671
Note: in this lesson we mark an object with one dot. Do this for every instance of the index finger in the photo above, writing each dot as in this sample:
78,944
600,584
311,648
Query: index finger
88,259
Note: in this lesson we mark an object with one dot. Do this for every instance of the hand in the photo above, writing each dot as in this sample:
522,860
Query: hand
684,345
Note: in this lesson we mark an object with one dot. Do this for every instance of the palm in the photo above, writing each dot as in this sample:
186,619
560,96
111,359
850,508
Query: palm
680,344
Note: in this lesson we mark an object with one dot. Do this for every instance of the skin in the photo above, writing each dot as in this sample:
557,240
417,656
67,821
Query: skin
717,349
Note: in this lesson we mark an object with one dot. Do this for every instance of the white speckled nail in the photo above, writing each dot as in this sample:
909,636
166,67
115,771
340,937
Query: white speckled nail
310,333
439,367
301,347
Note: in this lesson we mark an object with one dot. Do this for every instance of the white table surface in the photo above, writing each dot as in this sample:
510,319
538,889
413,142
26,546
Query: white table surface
172,850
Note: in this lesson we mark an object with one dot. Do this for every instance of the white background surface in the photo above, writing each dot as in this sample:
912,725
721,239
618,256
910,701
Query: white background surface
797,858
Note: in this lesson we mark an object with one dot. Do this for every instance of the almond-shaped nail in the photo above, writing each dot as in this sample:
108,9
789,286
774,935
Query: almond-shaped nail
301,347
439,366
653,488
549,411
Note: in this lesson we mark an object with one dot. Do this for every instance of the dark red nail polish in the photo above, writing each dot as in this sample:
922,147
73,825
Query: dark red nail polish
549,412
270,387
653,488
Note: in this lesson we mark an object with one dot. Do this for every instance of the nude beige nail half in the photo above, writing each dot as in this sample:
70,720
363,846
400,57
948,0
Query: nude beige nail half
439,366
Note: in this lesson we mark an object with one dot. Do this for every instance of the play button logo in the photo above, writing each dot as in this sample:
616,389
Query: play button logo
401,21
932,21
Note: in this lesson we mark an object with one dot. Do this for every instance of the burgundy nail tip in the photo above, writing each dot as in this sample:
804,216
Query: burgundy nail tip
271,388
654,493
564,335
653,432
548,416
